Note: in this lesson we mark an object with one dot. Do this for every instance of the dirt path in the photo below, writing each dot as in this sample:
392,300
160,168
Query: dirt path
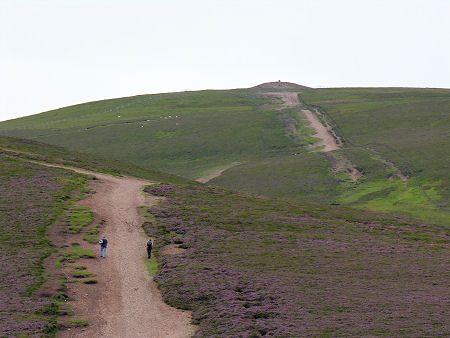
325,133
215,173
290,99
397,173
126,301
322,132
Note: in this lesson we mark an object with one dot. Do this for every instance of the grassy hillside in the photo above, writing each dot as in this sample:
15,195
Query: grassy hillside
37,151
182,133
193,134
304,177
265,148
407,127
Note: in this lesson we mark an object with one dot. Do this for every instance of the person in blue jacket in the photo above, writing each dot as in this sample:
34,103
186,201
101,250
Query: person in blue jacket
103,244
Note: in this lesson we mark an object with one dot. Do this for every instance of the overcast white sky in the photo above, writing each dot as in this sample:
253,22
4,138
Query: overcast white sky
55,53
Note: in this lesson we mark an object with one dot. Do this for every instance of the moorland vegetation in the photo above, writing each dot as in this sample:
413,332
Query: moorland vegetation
279,264
254,266
32,198
389,129
264,147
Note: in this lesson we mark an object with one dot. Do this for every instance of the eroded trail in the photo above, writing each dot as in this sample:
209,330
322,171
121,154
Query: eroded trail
323,132
125,302
329,141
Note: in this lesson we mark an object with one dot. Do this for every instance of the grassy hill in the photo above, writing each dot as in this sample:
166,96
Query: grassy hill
404,126
182,133
264,147
251,266
42,152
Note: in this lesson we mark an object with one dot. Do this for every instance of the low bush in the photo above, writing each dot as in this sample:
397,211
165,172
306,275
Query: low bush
90,281
82,274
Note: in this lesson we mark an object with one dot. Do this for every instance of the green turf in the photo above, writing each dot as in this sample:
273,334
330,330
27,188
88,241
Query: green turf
37,151
75,254
152,266
182,133
91,235
82,274
264,150
303,177
78,217
404,126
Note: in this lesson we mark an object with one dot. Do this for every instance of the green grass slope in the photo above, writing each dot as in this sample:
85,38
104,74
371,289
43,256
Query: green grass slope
265,147
404,126
182,133
193,134
37,151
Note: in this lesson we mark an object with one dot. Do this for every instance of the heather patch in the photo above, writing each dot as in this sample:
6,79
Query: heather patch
265,267
31,199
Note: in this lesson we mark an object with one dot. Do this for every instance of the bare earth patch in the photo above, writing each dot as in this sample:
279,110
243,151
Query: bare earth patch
398,173
322,132
339,165
290,99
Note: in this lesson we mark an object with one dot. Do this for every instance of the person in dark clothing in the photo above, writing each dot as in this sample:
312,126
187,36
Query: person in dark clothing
149,248
103,244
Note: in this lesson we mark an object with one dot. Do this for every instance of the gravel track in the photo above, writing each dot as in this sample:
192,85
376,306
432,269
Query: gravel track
126,301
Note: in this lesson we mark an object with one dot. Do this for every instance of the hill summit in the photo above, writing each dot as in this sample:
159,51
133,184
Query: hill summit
280,85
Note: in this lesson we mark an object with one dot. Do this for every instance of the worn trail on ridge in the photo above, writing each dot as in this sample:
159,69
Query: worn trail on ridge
325,133
127,302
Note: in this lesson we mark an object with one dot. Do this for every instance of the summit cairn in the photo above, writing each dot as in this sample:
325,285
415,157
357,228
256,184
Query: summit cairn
280,85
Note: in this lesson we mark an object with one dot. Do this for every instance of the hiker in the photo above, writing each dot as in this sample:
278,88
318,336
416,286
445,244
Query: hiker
103,244
149,248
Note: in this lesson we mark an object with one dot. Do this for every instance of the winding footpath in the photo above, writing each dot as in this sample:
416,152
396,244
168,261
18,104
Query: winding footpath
126,301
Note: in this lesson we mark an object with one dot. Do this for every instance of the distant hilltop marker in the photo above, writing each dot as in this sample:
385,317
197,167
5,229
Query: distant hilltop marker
278,84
